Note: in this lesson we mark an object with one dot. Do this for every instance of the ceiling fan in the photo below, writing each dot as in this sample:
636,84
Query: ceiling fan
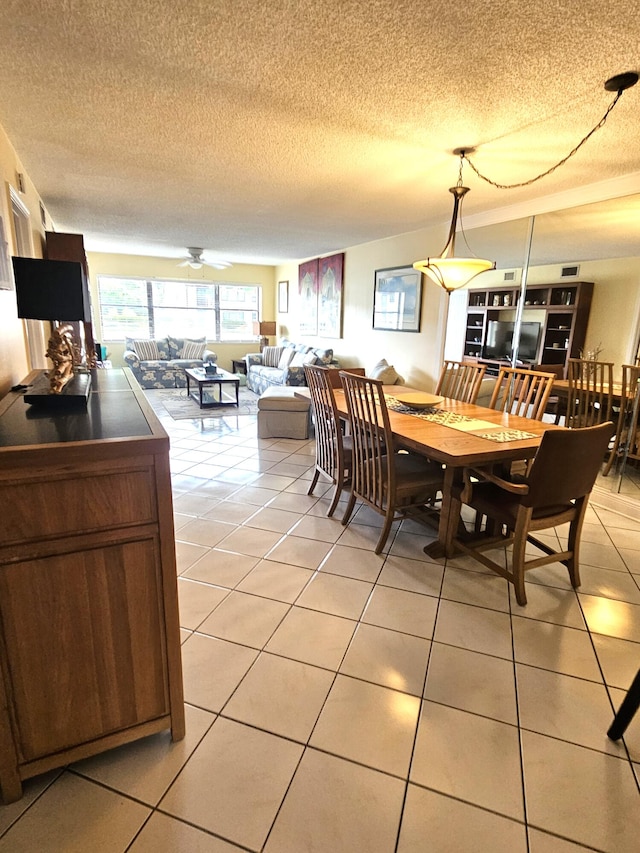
196,261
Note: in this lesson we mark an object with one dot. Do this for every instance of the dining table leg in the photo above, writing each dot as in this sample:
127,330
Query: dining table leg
449,517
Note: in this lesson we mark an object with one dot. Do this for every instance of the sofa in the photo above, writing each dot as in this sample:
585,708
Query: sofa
160,363
283,365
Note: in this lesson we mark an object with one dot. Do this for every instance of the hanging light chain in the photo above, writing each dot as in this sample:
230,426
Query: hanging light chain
553,168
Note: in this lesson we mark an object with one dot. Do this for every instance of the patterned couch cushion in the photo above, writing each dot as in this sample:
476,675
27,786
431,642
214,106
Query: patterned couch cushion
177,346
161,348
271,356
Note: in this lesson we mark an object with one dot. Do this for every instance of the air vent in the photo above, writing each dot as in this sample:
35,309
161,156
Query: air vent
510,275
569,272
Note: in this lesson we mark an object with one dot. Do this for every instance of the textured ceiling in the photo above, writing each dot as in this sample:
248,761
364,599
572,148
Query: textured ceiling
281,130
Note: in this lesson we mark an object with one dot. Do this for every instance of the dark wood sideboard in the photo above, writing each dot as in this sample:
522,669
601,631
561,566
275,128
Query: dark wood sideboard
89,625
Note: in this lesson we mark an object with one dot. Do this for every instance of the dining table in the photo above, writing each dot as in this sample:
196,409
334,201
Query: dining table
560,388
458,435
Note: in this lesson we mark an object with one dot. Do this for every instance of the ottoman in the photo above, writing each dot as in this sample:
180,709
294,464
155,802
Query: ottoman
282,415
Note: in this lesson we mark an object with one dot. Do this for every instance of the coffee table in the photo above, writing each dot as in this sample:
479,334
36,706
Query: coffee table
202,380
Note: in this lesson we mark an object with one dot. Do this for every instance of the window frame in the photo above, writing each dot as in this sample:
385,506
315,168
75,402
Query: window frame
152,309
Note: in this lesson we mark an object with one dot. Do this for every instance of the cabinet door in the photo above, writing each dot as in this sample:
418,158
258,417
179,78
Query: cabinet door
84,647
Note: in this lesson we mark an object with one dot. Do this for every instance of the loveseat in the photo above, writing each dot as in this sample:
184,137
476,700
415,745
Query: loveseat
160,363
283,365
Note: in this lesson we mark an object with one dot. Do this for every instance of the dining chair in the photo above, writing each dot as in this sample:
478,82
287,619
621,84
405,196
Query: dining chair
334,375
393,483
626,440
556,405
522,392
590,392
555,491
460,380
333,449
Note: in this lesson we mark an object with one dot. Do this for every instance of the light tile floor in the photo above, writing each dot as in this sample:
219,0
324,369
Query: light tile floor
344,702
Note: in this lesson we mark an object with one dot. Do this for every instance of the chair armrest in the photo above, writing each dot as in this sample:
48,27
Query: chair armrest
253,358
490,476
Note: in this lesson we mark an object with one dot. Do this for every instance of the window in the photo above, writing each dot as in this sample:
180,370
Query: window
136,308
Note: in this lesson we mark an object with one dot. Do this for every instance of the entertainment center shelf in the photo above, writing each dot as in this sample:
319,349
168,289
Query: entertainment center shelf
554,323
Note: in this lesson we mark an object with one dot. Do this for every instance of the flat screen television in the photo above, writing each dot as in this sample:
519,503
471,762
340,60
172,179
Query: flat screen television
499,340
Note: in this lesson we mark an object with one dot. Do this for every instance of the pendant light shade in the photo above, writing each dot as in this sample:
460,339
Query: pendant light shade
448,270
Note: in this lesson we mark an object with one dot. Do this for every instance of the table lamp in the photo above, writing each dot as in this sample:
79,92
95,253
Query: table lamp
264,328
57,291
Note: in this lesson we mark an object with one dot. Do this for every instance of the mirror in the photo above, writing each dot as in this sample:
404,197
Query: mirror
602,240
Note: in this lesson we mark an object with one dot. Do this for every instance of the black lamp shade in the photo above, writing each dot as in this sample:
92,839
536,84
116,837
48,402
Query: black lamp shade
51,290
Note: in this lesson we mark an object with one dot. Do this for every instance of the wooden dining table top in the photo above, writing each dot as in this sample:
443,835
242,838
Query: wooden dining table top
451,446
561,388
454,448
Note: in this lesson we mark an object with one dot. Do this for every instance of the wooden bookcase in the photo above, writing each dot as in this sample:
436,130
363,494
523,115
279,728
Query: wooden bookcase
89,626
561,309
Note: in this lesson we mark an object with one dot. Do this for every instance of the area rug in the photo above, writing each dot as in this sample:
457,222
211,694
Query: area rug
181,407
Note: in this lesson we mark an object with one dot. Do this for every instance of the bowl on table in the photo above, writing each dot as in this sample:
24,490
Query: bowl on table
418,400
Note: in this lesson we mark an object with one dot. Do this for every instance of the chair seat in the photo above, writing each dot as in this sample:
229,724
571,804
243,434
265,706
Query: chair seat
490,500
412,471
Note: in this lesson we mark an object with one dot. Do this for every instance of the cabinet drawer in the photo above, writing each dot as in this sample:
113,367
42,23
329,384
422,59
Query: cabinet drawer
56,505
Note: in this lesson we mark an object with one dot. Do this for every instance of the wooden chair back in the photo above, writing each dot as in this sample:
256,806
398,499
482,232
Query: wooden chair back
556,406
566,465
522,392
330,452
461,380
334,375
590,392
373,473
627,438
394,484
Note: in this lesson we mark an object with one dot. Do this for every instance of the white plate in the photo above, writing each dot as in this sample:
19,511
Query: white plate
419,401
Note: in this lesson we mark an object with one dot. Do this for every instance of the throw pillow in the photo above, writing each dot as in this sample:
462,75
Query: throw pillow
302,358
176,346
271,356
285,359
193,349
323,356
146,350
386,373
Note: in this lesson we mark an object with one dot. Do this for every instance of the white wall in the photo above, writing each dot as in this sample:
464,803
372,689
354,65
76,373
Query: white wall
613,321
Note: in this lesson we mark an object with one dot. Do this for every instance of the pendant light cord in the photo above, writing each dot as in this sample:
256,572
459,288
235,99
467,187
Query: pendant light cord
557,165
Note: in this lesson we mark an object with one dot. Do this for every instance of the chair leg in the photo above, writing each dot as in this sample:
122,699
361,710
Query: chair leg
518,555
316,474
388,521
336,497
573,544
349,509
630,705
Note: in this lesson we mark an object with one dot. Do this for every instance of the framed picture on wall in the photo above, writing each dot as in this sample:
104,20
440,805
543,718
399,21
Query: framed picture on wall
308,293
397,299
330,296
283,297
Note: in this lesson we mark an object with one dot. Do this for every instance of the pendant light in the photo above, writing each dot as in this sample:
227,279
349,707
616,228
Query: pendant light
449,270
